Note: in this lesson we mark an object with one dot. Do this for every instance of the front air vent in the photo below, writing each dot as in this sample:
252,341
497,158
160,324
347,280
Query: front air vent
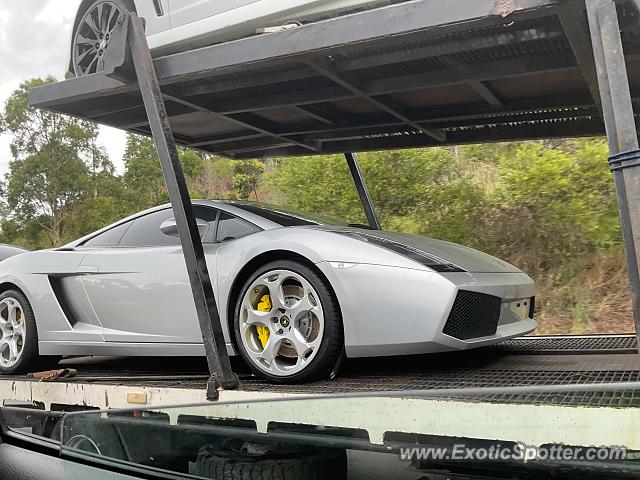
473,315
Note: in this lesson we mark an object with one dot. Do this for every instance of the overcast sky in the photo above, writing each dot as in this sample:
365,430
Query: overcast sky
34,42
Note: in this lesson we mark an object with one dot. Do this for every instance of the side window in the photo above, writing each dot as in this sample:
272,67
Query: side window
145,231
110,238
209,215
230,227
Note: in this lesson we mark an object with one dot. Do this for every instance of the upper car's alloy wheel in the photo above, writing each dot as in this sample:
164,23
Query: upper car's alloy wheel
92,37
288,324
12,332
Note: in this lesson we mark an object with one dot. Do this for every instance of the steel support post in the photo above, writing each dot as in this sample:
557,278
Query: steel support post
203,295
363,191
622,135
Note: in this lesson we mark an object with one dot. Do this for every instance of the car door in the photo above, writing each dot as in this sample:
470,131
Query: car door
156,14
189,11
140,290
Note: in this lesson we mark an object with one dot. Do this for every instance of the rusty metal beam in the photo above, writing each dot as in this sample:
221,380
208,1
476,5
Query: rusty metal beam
251,122
486,92
571,18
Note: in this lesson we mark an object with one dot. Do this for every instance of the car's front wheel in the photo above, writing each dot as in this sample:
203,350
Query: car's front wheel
288,324
93,35
19,336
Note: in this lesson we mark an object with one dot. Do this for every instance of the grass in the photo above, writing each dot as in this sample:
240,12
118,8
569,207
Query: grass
586,295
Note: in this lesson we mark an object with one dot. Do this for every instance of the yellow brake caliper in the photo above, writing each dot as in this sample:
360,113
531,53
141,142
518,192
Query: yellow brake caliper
263,332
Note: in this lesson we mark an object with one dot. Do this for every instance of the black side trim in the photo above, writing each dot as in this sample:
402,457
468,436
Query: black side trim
58,291
422,258
159,9
624,160
532,306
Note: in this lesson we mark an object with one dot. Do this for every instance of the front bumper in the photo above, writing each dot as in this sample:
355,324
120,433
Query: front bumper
398,311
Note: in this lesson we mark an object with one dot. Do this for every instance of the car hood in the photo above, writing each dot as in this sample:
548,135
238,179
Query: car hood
467,259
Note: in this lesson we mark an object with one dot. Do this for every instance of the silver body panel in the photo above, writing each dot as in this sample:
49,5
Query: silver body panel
137,301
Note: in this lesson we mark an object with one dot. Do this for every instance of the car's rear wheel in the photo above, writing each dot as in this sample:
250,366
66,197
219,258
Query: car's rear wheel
287,324
93,35
19,336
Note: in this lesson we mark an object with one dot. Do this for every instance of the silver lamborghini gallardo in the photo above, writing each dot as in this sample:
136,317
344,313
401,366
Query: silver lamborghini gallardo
294,292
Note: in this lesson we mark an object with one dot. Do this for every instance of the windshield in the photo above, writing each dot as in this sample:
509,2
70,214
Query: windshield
392,436
285,216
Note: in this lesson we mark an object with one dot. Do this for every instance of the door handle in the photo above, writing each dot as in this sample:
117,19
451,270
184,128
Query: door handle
159,9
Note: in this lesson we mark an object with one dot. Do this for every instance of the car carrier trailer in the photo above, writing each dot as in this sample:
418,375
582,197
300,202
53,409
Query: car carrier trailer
418,73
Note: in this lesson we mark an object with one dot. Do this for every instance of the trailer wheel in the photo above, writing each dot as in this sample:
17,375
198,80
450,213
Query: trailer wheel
231,464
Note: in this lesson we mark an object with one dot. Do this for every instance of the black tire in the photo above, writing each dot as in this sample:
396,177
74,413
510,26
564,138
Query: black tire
125,5
30,360
225,464
331,346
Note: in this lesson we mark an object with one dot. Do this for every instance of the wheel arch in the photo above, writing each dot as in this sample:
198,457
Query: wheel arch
85,4
257,262
6,286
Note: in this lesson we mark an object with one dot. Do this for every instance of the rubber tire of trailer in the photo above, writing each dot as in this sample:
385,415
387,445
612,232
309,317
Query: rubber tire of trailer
30,360
217,463
332,345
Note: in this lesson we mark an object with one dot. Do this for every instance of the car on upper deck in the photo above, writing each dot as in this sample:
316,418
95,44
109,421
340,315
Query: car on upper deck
173,26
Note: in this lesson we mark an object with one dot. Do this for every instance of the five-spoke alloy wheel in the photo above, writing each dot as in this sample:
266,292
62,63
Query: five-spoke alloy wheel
12,332
288,324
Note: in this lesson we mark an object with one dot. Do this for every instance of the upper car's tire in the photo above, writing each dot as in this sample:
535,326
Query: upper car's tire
217,463
29,360
324,357
75,67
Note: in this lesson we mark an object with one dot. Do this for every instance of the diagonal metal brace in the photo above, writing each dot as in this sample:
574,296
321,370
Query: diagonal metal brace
220,370
363,191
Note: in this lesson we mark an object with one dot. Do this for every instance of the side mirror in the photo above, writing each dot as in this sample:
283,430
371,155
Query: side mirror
169,227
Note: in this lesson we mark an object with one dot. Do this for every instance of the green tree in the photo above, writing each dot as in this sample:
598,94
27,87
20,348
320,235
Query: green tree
215,180
143,178
409,187
49,175
246,177
553,204
192,163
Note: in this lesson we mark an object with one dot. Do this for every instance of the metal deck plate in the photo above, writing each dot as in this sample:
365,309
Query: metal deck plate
470,369
572,344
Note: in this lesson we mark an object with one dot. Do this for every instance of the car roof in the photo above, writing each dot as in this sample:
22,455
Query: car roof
223,205
230,207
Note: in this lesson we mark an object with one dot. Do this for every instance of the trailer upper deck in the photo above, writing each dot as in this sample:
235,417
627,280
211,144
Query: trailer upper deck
418,73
